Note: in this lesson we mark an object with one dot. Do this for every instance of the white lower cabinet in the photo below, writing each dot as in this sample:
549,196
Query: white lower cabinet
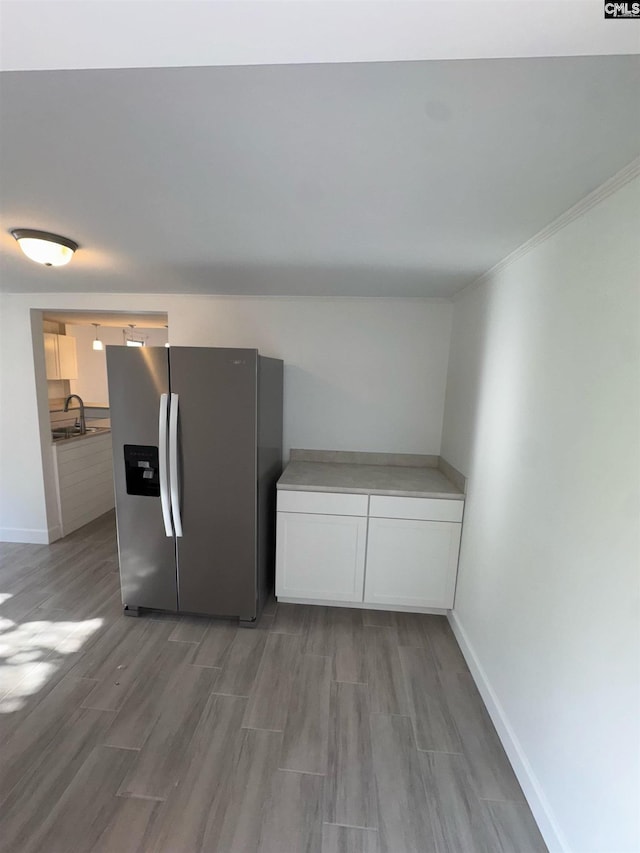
384,551
320,556
84,475
411,563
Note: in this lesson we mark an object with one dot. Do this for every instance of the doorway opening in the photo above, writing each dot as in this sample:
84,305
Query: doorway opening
75,423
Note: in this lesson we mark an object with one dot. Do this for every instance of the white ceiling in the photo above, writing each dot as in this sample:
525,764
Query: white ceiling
146,33
362,178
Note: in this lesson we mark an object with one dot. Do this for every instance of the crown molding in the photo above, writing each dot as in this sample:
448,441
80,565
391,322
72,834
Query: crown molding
610,186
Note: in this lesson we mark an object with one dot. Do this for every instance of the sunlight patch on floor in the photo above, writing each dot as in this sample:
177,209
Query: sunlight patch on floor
31,652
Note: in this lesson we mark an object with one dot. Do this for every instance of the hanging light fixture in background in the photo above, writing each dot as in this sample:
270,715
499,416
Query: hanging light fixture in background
166,325
45,248
97,344
129,340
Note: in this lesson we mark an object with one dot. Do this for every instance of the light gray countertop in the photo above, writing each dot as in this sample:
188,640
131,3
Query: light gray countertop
92,433
401,481
60,408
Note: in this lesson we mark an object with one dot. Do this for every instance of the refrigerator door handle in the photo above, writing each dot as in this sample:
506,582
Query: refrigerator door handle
173,464
162,453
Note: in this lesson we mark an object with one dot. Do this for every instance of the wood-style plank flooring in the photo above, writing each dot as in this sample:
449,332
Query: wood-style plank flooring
324,730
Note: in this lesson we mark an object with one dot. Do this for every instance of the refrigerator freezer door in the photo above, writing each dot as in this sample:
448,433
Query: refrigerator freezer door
138,377
217,479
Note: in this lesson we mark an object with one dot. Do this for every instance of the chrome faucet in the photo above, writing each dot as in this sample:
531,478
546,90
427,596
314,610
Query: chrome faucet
83,423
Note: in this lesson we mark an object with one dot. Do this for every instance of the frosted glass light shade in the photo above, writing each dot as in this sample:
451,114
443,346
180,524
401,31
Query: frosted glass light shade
97,344
45,248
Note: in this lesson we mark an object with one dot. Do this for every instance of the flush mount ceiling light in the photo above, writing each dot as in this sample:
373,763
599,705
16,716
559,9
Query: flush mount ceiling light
97,344
45,248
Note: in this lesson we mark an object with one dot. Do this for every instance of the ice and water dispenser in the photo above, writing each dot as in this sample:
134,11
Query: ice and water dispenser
142,470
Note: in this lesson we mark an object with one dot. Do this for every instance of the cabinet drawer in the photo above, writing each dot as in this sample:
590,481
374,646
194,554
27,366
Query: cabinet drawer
323,503
421,509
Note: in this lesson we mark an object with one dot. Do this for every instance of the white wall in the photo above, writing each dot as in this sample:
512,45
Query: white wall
360,374
543,415
365,374
91,383
22,499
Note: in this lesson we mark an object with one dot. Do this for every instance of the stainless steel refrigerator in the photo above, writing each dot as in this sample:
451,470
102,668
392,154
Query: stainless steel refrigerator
197,450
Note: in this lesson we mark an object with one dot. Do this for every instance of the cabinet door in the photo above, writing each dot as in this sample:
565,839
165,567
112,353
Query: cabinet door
51,355
412,562
67,357
320,556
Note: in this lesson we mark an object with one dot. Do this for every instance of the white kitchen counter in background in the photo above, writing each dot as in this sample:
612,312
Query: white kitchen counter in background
94,428
84,474
100,406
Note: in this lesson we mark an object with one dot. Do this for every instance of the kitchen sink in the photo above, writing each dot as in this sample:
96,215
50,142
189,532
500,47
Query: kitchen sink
73,432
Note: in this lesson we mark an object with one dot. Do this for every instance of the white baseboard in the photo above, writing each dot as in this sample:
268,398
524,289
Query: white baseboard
26,535
362,605
553,836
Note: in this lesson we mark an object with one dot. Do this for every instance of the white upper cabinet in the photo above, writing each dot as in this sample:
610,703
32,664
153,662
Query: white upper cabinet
51,355
67,357
60,356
